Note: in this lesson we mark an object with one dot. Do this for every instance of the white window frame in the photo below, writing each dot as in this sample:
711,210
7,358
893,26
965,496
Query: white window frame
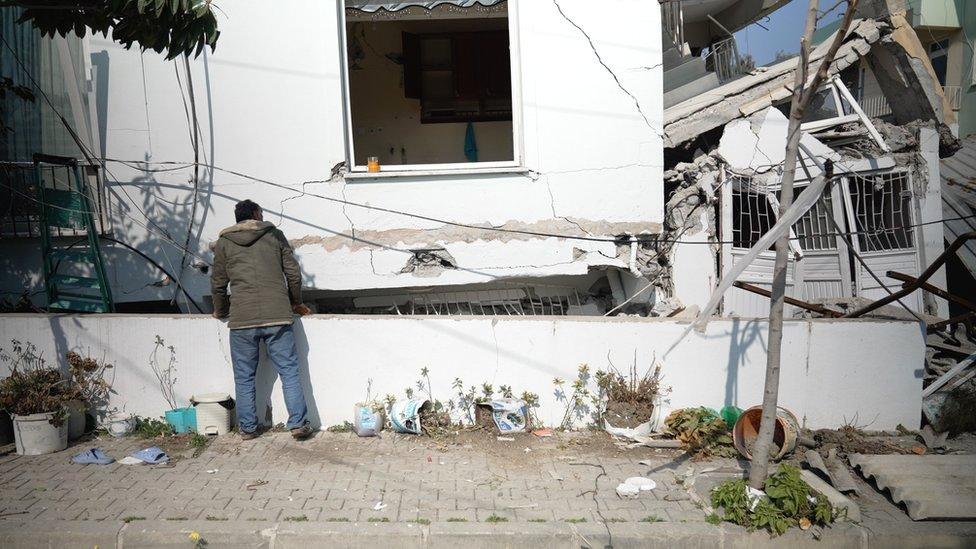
516,165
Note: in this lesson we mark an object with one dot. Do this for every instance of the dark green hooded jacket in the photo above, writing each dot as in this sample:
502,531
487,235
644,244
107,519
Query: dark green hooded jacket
265,280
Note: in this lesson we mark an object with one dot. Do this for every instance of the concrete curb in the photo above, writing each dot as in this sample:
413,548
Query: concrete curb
288,535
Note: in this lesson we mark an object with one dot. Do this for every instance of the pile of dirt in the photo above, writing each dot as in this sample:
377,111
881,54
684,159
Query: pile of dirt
628,414
848,440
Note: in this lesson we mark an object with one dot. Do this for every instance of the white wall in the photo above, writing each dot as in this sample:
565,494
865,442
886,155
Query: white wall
833,372
269,103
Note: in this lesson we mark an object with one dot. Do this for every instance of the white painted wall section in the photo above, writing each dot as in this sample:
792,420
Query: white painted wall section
832,372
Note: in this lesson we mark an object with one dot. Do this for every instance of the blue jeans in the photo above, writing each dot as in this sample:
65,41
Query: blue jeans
244,346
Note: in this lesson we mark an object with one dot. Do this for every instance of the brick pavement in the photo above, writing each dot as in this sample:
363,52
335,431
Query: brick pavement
340,477
566,482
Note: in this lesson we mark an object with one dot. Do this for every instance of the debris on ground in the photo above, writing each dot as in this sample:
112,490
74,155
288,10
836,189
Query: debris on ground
850,440
701,431
506,415
931,487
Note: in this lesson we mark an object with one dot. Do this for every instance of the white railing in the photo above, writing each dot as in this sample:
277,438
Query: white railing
723,59
875,106
674,21
953,94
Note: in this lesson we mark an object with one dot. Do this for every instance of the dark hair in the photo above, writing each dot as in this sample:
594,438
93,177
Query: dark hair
245,209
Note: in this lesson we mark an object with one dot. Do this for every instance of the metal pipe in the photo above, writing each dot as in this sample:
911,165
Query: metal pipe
912,286
932,289
791,300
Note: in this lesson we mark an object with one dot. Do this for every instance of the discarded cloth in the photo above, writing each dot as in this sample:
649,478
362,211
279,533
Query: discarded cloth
93,456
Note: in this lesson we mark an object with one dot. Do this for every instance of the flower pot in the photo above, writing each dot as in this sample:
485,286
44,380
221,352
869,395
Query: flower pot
35,435
77,410
182,420
120,425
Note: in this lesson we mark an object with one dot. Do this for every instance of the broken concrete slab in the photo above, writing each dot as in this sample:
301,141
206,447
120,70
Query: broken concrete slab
851,511
745,149
930,486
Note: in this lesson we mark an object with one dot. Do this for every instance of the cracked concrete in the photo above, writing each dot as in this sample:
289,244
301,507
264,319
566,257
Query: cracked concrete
448,234
613,75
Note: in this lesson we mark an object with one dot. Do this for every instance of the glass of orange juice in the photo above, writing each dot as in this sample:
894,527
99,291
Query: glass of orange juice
372,164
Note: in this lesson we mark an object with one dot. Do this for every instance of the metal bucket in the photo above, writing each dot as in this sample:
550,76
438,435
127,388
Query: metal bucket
784,434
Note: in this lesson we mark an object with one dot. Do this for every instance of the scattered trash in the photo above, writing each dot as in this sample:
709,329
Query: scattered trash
527,450
505,439
628,491
368,420
213,471
120,424
254,485
510,415
643,483
555,475
93,456
405,415
754,496
379,506
543,433
918,450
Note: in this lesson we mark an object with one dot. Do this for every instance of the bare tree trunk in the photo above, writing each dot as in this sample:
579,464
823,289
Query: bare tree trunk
802,94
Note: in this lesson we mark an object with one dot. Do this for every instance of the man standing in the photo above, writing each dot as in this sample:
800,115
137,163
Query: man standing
266,283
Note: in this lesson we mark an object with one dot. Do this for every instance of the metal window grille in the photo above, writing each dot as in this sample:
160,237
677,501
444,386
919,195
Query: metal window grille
882,211
752,214
814,230
19,205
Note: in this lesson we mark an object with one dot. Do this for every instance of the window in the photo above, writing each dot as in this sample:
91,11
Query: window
939,56
882,212
754,212
429,87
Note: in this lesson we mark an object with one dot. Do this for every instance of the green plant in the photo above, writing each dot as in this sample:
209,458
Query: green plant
495,518
538,520
165,374
575,520
422,521
298,518
345,427
457,519
216,519
579,402
651,518
701,432
147,427
177,27
33,387
378,519
788,501
713,518
127,520
330,519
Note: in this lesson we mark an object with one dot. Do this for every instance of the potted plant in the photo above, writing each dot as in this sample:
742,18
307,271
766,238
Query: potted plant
184,418
36,397
88,376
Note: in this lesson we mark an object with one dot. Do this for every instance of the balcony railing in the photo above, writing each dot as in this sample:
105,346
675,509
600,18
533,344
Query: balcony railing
875,106
672,18
722,58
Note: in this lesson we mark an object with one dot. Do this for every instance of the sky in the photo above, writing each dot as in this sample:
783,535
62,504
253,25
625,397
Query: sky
785,28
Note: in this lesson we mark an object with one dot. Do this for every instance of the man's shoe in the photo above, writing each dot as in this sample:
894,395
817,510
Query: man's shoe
246,435
303,432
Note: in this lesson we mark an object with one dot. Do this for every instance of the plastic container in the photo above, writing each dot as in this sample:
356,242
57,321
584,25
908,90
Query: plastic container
77,410
212,413
34,435
366,421
182,420
784,434
120,425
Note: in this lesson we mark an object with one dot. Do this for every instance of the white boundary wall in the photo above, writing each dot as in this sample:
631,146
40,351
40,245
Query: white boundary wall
834,372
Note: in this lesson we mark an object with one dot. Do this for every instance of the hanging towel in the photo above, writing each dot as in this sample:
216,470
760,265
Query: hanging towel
470,147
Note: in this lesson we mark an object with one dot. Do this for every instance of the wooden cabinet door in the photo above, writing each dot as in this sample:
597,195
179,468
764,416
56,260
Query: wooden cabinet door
467,82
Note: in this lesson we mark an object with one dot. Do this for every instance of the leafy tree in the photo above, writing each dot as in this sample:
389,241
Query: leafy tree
176,27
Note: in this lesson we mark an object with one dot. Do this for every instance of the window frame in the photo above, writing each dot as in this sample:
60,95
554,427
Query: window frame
515,165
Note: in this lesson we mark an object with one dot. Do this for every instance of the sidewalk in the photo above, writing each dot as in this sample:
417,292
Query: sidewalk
340,489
